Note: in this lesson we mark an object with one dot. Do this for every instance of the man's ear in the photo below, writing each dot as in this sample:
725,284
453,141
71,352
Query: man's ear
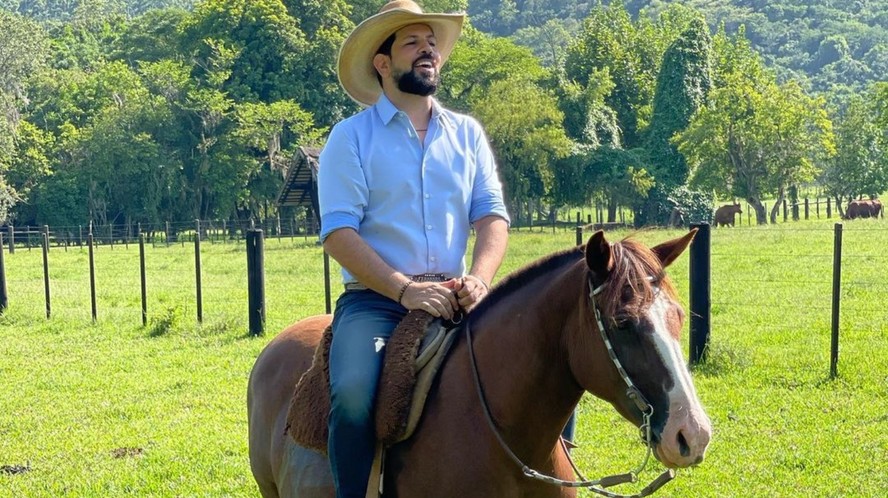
383,65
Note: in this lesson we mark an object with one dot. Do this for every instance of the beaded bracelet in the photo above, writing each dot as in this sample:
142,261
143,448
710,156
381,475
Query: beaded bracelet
404,288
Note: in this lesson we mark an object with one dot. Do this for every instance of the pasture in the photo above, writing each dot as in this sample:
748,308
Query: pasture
116,409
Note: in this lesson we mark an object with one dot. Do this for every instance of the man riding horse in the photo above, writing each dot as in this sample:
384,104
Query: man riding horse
401,185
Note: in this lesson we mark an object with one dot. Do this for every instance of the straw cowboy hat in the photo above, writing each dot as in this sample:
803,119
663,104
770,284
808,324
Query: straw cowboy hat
356,72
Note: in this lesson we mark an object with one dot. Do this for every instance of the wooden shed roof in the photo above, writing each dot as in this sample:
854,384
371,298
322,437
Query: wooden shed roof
300,186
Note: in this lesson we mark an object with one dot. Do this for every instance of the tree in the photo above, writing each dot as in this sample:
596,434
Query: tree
478,61
266,129
755,137
607,174
860,166
683,84
549,42
265,44
524,126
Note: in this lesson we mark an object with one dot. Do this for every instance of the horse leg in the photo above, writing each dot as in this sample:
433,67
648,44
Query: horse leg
304,473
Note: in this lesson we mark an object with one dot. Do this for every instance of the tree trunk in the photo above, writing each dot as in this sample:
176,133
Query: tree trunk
611,211
781,194
839,207
761,216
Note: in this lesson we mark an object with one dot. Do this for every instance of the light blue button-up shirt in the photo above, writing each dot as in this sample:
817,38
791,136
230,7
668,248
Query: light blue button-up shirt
412,202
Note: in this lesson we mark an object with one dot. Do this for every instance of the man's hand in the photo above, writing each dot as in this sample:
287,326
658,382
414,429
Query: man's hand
438,299
469,290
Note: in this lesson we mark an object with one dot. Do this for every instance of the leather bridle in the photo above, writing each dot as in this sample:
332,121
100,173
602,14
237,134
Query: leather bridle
647,411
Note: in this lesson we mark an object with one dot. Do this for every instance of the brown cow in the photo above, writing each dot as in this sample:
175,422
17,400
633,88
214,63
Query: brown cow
863,209
724,215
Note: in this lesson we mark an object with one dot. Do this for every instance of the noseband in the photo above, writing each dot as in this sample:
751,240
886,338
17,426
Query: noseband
647,411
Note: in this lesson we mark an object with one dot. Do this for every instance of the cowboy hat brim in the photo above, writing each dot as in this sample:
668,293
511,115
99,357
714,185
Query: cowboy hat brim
357,75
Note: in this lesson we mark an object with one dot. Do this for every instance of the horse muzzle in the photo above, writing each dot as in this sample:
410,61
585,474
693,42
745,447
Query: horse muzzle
684,440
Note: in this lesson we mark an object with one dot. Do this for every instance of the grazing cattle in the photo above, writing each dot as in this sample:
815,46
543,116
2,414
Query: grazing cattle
863,209
724,215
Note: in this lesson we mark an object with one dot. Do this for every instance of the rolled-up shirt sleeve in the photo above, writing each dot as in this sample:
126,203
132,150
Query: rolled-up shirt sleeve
487,192
342,187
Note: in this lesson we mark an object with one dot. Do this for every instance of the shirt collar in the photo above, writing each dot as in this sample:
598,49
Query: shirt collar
387,111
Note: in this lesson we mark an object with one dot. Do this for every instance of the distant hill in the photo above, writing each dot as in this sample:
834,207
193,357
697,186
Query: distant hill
838,46
832,45
63,10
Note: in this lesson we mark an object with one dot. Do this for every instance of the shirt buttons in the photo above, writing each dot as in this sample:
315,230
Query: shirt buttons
428,227
427,196
433,259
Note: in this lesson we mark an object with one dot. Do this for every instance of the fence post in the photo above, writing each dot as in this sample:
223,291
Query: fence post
806,208
700,298
784,210
4,297
142,277
828,208
46,236
198,292
11,231
46,273
167,234
256,281
836,300
92,275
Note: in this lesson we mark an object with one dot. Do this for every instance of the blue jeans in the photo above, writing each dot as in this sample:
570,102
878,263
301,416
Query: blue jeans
570,428
362,323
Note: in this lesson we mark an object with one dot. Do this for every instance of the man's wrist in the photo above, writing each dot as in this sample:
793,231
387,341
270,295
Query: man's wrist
479,279
403,289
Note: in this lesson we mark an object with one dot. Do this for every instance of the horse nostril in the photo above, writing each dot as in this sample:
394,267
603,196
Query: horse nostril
683,446
699,460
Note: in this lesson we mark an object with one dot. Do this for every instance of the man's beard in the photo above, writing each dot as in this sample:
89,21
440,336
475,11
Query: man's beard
412,82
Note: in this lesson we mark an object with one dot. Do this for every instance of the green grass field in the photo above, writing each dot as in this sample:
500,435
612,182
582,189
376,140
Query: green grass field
117,409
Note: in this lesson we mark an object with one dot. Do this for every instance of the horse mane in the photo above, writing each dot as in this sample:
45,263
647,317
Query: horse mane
630,288
634,263
526,274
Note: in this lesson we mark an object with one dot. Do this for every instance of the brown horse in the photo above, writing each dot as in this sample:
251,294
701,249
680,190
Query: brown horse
724,215
538,340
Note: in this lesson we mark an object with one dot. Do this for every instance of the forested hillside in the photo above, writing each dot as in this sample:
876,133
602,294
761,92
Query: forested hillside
121,112
834,46
829,45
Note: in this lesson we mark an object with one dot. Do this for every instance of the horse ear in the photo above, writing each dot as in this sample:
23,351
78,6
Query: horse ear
667,252
599,258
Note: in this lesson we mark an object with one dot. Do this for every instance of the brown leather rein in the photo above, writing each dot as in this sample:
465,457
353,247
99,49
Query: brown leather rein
594,485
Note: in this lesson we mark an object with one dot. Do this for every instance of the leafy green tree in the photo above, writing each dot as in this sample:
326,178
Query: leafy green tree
478,61
549,42
151,37
607,40
523,123
265,129
264,41
23,51
607,174
860,166
755,138
683,84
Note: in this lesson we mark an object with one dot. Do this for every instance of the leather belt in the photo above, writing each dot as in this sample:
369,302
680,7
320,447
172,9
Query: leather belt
424,277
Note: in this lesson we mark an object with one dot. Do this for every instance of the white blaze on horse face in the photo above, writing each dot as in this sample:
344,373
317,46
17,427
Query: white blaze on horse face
688,429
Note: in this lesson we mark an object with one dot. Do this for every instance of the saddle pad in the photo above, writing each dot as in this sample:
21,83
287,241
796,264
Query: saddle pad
407,374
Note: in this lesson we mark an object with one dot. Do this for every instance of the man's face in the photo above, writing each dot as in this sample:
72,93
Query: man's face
415,60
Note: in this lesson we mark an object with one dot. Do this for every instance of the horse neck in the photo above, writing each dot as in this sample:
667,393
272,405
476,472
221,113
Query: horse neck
521,352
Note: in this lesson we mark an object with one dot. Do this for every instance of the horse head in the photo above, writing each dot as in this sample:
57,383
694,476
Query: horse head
638,318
